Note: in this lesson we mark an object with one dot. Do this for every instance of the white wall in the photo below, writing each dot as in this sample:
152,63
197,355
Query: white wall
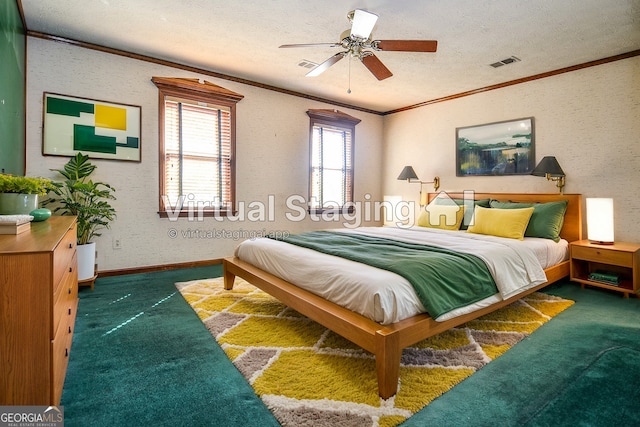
272,155
588,119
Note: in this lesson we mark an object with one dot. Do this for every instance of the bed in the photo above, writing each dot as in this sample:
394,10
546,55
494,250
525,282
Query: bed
386,340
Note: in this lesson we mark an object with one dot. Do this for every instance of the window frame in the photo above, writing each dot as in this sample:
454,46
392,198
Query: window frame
197,91
334,119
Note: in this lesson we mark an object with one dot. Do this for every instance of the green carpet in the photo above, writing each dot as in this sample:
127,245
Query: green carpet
597,379
161,367
141,358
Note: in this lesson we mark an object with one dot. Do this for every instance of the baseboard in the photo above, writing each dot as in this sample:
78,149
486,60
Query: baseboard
152,268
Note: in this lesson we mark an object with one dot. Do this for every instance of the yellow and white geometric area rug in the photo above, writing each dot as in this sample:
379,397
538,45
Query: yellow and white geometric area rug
308,375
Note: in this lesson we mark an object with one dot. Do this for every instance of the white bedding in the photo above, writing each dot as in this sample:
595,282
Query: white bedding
387,297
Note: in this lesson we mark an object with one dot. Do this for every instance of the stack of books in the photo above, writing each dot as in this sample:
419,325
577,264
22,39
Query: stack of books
15,224
605,277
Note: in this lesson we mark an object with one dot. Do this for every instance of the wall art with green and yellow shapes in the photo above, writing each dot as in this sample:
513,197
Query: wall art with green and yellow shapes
100,129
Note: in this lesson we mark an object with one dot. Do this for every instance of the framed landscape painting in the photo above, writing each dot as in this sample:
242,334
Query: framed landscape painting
99,129
501,148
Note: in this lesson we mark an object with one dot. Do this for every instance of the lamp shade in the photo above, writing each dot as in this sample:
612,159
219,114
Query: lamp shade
407,173
548,165
600,220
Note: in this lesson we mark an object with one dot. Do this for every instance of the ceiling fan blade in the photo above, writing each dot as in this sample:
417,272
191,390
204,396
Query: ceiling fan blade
407,45
363,23
377,68
311,45
321,68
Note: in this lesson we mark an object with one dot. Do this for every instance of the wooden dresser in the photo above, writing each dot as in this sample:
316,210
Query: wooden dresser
38,302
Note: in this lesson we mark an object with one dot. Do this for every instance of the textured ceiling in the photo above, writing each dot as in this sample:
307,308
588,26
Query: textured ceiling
241,39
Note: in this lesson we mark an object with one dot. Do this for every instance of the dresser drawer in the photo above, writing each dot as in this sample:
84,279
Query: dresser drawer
60,349
622,259
71,270
65,299
63,253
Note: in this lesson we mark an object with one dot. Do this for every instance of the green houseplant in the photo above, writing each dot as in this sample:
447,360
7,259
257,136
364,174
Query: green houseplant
89,201
24,185
20,194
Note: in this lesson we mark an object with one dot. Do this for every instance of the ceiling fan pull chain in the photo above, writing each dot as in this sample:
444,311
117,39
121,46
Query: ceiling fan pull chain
349,89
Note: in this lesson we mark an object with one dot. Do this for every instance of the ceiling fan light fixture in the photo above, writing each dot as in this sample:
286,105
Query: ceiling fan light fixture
362,23
356,43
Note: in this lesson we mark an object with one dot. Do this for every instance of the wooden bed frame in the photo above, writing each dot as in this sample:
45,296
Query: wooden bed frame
386,342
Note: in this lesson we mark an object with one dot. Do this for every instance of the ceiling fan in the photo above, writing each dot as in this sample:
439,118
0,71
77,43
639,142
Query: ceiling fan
358,39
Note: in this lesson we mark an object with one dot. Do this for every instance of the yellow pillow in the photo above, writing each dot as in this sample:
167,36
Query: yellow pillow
445,217
510,223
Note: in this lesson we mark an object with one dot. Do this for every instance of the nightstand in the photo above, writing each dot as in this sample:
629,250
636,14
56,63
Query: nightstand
620,258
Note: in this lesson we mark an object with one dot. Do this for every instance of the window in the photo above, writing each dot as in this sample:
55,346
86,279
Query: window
197,152
197,147
332,136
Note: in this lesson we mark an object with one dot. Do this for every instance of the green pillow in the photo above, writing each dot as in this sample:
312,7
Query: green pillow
468,213
547,218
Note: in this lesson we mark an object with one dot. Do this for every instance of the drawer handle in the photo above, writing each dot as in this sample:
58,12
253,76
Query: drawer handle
66,352
69,291
70,269
69,329
69,312
70,245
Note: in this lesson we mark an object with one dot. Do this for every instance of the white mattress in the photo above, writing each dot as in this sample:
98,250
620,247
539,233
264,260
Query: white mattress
386,297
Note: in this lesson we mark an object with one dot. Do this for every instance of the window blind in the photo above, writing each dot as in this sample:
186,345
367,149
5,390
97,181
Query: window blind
331,167
197,154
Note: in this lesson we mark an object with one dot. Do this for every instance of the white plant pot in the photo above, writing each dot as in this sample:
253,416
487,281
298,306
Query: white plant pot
86,261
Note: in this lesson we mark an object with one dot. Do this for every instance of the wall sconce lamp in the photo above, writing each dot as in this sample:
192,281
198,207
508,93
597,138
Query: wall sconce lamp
410,175
550,169
600,220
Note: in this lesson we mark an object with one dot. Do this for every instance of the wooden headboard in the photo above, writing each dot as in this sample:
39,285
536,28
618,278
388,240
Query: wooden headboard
572,227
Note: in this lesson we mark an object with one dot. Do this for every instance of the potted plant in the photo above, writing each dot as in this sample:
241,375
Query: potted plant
89,201
20,194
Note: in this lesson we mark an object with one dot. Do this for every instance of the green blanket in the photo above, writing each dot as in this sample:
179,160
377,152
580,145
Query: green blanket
443,279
